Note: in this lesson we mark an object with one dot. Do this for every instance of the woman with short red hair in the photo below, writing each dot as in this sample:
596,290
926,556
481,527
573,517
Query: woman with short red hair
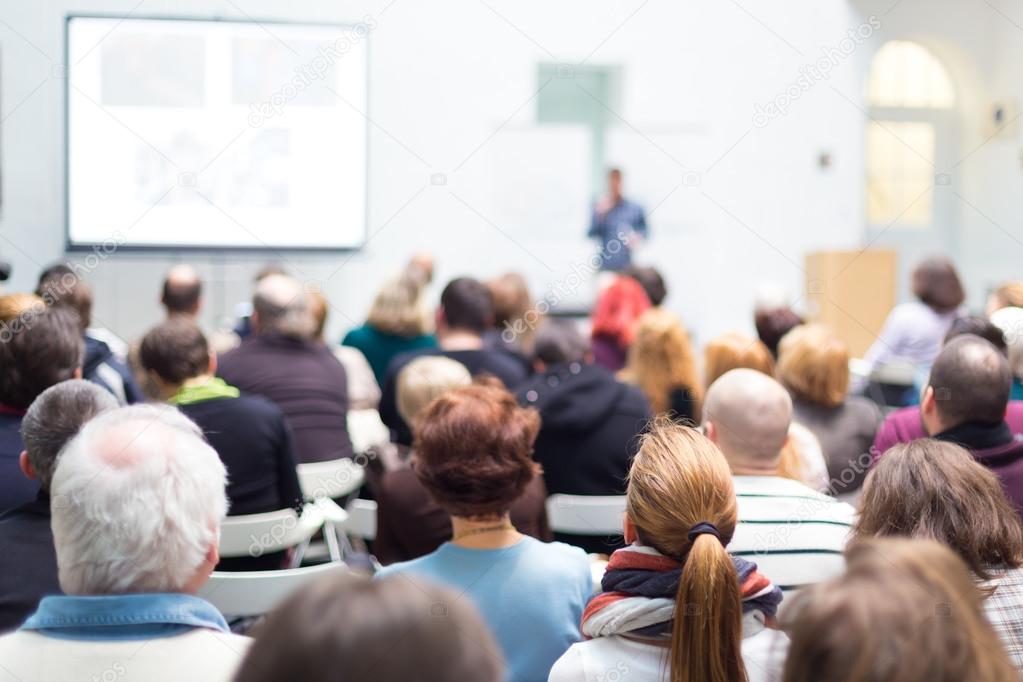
473,453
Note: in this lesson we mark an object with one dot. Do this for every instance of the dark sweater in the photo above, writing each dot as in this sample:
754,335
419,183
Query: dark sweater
497,363
15,489
254,443
997,448
308,384
28,562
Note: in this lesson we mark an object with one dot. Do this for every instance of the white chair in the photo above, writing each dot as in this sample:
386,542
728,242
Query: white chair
586,514
321,483
253,593
362,519
366,429
253,535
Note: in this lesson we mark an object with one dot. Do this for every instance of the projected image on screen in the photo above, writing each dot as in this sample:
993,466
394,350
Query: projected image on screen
216,134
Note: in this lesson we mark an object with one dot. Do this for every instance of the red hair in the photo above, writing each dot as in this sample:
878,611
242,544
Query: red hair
617,310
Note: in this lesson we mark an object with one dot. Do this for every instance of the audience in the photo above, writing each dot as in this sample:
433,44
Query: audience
60,286
651,281
661,362
905,610
182,292
773,320
589,421
137,501
466,312
39,347
675,604
1009,321
813,364
283,362
472,454
515,317
28,569
409,522
385,630
934,490
796,534
613,323
398,322
363,390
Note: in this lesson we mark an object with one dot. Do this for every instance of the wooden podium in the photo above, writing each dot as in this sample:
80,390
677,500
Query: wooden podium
852,292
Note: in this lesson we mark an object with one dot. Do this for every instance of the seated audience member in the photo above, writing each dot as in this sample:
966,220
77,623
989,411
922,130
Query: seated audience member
588,421
1009,321
661,362
283,362
914,331
802,458
473,456
409,522
613,323
1008,295
515,318
60,286
651,281
138,498
363,390
28,569
465,313
247,431
933,490
813,364
796,534
773,319
39,347
965,402
182,292
675,605
904,424
384,630
905,610
398,322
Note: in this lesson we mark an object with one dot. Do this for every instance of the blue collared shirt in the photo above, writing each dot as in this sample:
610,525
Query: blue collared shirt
614,229
123,616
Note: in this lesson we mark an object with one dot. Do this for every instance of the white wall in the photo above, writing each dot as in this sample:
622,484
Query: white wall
452,83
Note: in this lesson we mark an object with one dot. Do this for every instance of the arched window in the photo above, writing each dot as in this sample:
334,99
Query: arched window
910,95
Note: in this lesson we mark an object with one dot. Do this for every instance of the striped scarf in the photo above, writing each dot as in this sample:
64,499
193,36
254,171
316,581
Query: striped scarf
639,589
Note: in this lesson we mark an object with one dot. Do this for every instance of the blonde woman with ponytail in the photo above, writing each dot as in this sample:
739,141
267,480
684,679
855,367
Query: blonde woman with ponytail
675,605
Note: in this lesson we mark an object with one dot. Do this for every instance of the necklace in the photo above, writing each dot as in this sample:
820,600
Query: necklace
483,529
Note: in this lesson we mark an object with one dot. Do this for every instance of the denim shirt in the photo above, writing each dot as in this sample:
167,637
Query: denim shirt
123,616
614,229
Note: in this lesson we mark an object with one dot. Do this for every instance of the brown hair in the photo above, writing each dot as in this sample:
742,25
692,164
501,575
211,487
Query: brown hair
388,630
931,489
60,285
905,611
813,364
936,283
175,350
735,351
679,479
39,347
473,450
661,360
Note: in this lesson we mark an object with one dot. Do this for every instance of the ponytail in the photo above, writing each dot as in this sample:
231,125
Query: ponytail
706,637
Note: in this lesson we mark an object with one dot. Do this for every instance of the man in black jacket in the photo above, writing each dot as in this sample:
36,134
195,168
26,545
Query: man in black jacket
590,421
28,564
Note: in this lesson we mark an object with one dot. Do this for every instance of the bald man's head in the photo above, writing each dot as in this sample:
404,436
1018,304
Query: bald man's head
182,290
748,414
282,305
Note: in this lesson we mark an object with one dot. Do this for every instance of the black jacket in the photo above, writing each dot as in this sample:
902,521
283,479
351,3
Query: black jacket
101,367
28,562
589,432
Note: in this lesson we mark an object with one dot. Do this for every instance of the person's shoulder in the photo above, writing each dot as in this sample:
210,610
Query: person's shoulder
559,555
401,359
257,405
356,336
864,408
570,667
403,567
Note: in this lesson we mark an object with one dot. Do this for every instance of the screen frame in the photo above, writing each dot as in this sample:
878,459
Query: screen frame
72,246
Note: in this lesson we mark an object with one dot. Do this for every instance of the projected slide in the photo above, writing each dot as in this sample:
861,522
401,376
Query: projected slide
216,133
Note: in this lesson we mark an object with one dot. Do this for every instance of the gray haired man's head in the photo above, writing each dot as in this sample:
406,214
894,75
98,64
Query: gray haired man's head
55,417
559,341
281,305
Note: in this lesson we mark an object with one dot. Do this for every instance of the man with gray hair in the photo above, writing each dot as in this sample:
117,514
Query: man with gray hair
284,362
795,534
28,569
138,499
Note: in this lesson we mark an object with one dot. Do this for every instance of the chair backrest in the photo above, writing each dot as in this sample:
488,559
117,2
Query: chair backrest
333,479
254,535
362,519
586,514
366,429
253,593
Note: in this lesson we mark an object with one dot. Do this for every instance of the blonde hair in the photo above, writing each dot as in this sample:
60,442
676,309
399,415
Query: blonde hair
813,364
661,360
1010,294
512,303
897,597
735,351
15,305
679,478
425,378
399,309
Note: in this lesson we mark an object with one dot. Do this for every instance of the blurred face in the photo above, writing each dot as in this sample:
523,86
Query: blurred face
614,184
